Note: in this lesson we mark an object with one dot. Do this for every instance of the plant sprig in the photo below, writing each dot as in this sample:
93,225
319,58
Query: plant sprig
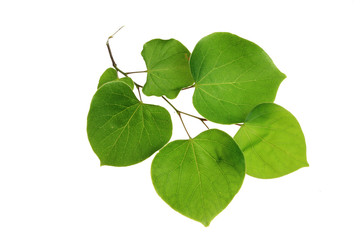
235,82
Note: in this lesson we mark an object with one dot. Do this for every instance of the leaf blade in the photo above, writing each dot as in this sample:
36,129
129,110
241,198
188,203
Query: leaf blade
123,131
110,75
233,75
199,177
168,70
272,142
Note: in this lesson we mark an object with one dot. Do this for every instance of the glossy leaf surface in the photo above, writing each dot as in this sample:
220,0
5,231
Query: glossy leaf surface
110,75
272,142
199,177
232,75
123,131
168,70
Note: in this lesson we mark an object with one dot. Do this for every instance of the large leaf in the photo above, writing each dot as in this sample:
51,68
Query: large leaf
272,142
110,75
232,75
168,70
199,177
123,131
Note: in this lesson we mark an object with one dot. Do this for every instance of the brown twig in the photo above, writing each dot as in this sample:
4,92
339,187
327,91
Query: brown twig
110,53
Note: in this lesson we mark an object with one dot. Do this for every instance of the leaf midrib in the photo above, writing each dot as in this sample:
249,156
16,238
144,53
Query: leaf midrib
200,182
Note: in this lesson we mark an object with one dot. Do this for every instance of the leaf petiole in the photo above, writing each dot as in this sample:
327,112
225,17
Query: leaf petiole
188,87
145,71
201,119
178,113
138,88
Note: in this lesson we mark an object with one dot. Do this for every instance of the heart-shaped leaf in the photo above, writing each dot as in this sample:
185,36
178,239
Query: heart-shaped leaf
123,131
232,75
199,177
272,142
168,70
110,75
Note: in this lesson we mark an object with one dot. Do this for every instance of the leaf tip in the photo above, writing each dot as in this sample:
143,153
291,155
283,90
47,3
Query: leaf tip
206,223
305,163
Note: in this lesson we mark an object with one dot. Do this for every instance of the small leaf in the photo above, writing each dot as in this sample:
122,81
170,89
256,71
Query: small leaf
232,75
168,70
128,82
199,177
272,142
110,75
123,131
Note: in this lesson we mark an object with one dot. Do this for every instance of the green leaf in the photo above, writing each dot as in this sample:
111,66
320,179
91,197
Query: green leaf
123,131
199,177
110,75
232,75
128,82
168,70
272,142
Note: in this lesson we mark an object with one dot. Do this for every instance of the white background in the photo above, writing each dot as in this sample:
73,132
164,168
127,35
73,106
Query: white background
52,54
